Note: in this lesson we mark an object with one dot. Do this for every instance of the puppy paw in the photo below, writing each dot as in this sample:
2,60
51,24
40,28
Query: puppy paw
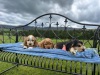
73,51
25,47
30,47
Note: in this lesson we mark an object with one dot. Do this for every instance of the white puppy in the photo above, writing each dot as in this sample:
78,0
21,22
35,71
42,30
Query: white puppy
30,41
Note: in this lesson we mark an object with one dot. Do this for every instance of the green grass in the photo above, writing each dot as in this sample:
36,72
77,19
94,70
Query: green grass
24,70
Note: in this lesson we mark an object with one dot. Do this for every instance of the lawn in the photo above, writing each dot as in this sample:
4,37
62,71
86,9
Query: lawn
24,70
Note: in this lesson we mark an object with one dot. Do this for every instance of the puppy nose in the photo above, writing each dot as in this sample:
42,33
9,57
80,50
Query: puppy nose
83,49
48,48
29,43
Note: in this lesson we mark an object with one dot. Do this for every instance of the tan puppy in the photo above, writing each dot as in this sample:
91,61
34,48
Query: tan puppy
30,41
46,43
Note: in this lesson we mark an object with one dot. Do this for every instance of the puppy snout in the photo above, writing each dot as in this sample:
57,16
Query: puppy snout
30,44
83,49
48,47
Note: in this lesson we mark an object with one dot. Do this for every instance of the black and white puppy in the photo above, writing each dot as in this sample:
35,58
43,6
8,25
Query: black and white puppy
72,46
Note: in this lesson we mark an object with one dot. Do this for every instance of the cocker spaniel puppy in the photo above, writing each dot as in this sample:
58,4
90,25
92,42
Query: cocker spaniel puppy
46,43
30,41
72,46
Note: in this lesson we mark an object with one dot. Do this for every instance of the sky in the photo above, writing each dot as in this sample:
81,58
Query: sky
20,12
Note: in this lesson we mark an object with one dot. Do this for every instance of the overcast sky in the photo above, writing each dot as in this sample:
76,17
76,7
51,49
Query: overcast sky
23,11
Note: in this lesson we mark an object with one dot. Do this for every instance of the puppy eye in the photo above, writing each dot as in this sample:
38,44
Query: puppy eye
32,40
45,44
79,45
49,43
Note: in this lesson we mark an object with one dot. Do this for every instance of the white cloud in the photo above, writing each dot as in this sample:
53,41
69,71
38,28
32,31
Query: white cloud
14,18
86,10
55,9
22,12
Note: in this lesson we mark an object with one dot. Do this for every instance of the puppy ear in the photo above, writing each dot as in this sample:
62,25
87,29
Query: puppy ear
55,46
25,41
41,44
52,45
69,45
35,43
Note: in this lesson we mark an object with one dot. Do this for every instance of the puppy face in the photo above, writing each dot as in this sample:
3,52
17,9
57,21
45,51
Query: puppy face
75,46
46,43
30,41
78,45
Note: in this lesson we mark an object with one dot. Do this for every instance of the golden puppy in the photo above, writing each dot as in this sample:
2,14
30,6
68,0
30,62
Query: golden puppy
46,43
30,41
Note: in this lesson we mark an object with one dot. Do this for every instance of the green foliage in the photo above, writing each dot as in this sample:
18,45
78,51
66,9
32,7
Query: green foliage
63,34
80,34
